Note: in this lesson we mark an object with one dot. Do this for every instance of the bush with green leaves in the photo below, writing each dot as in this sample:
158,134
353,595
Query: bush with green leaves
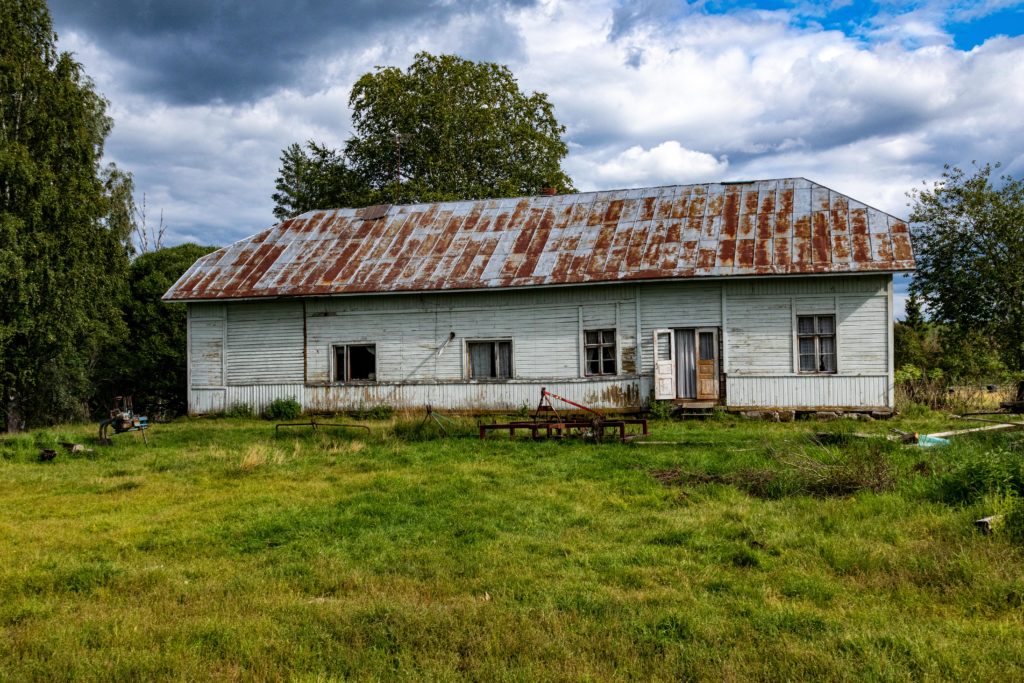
661,410
282,409
240,410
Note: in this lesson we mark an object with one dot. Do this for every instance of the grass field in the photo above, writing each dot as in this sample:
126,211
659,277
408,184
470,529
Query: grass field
746,551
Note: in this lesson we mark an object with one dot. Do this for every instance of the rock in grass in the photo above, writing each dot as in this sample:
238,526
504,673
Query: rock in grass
987,524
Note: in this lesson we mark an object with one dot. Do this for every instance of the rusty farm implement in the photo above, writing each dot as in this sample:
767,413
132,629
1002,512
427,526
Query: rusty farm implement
547,423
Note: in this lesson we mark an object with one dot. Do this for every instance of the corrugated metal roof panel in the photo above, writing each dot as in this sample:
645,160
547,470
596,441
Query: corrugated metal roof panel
767,227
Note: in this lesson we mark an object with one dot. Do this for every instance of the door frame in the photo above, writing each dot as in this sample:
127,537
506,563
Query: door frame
665,370
717,361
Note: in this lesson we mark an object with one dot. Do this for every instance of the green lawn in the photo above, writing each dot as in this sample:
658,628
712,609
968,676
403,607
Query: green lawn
222,552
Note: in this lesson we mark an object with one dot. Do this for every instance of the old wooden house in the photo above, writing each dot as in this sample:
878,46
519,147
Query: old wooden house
774,293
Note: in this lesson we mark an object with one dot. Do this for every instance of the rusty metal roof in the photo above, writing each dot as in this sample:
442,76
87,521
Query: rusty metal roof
767,227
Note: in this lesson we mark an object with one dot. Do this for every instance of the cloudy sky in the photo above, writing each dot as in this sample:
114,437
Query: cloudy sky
869,98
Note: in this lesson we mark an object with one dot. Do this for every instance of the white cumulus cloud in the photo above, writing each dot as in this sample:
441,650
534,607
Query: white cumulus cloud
665,164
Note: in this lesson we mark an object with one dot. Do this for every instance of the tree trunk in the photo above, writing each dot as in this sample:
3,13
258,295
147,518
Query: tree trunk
1020,391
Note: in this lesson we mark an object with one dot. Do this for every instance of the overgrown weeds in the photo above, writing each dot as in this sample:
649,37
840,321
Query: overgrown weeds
350,554
428,428
380,411
282,409
968,475
822,472
240,410
937,392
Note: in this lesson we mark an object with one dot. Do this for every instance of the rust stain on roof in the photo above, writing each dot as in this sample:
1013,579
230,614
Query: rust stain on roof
776,227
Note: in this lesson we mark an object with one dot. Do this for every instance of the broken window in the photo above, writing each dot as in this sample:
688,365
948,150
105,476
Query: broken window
816,335
489,359
600,351
355,363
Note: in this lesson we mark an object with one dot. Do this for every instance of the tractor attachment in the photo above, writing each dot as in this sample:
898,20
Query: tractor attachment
316,425
547,423
123,419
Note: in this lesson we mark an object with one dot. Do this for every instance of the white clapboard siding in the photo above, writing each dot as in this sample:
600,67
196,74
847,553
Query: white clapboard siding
863,335
257,351
264,343
204,401
596,393
855,284
206,346
811,392
759,332
676,304
619,393
409,339
400,303
207,310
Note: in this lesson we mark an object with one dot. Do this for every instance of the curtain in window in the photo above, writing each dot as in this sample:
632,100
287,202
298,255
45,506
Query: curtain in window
480,360
686,365
828,354
504,360
808,361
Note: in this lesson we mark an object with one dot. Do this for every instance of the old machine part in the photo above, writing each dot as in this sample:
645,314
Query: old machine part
317,425
439,418
123,419
1013,407
547,423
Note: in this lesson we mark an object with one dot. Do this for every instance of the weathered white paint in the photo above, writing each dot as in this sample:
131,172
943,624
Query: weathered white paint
664,353
781,391
207,400
254,352
760,335
511,395
677,304
207,346
261,343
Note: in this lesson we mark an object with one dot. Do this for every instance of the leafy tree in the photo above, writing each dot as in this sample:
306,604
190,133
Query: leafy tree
915,315
64,237
316,177
151,365
445,128
968,236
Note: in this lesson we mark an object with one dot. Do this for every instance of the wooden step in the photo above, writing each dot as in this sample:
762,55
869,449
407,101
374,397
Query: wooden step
687,404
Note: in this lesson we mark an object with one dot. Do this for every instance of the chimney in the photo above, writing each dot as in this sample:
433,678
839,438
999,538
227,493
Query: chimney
548,191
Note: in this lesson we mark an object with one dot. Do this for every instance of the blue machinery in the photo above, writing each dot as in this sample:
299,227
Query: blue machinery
123,419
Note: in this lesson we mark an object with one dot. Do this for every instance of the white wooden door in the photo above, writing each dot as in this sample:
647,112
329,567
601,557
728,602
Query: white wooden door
664,365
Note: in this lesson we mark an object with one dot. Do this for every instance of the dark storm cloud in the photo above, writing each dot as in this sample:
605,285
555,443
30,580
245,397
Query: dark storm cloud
195,51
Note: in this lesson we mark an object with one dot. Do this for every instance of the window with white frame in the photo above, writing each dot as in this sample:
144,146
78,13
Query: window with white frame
599,346
489,359
355,363
816,336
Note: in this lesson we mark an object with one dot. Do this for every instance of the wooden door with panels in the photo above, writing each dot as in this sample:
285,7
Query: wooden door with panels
707,363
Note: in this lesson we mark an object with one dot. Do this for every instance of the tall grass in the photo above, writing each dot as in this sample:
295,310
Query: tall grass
224,552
